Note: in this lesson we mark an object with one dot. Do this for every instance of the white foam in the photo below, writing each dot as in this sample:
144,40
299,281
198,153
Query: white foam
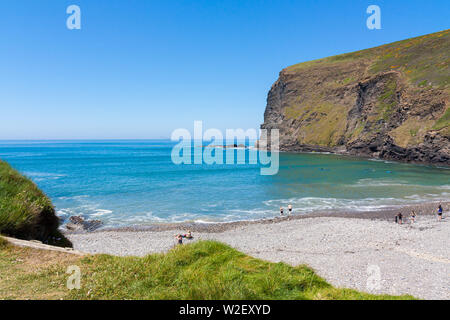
74,197
100,212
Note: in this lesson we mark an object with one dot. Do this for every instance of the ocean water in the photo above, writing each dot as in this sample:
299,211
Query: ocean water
127,183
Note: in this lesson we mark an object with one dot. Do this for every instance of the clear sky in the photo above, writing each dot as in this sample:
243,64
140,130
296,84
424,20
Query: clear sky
142,68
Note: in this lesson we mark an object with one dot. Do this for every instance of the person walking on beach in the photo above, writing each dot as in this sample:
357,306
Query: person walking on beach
281,210
290,209
413,216
440,211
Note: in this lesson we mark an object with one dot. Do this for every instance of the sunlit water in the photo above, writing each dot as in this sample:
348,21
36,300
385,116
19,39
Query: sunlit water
136,183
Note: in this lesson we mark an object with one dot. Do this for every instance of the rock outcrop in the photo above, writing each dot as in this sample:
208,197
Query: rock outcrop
78,223
388,102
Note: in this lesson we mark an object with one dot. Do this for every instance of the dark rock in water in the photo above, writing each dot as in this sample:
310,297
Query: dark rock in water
77,223
76,220
74,227
230,146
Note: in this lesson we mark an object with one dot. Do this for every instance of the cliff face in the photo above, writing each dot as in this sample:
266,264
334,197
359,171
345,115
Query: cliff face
389,102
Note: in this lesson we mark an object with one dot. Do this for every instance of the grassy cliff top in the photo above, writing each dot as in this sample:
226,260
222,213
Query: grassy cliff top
423,60
25,211
202,270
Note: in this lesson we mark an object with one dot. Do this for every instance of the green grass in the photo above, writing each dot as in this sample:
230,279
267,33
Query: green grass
422,60
323,122
444,121
202,270
25,211
3,242
357,132
387,101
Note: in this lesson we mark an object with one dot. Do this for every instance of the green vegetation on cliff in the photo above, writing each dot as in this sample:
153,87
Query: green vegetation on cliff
387,101
368,102
424,60
443,121
25,211
202,270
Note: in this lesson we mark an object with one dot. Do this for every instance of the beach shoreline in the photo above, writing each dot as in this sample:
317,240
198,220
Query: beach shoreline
412,258
388,214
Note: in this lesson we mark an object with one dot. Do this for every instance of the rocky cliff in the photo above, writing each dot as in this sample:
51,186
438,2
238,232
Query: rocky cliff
388,102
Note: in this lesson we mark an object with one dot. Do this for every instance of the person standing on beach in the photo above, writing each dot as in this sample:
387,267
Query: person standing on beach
179,237
399,218
413,216
290,209
281,210
440,211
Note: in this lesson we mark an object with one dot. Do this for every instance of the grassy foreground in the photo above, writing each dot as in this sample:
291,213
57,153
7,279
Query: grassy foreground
25,211
202,270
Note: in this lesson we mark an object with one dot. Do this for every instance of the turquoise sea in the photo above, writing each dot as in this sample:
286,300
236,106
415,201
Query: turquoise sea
129,182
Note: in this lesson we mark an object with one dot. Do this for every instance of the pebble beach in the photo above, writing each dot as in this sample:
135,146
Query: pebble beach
367,252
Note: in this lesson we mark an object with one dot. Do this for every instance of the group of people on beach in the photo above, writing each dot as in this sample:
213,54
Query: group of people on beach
289,209
188,235
180,237
413,215
398,219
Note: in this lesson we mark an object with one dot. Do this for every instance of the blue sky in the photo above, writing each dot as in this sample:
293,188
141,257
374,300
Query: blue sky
140,68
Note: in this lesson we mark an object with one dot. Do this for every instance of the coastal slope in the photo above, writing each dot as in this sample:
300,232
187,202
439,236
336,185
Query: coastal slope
388,102
25,211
